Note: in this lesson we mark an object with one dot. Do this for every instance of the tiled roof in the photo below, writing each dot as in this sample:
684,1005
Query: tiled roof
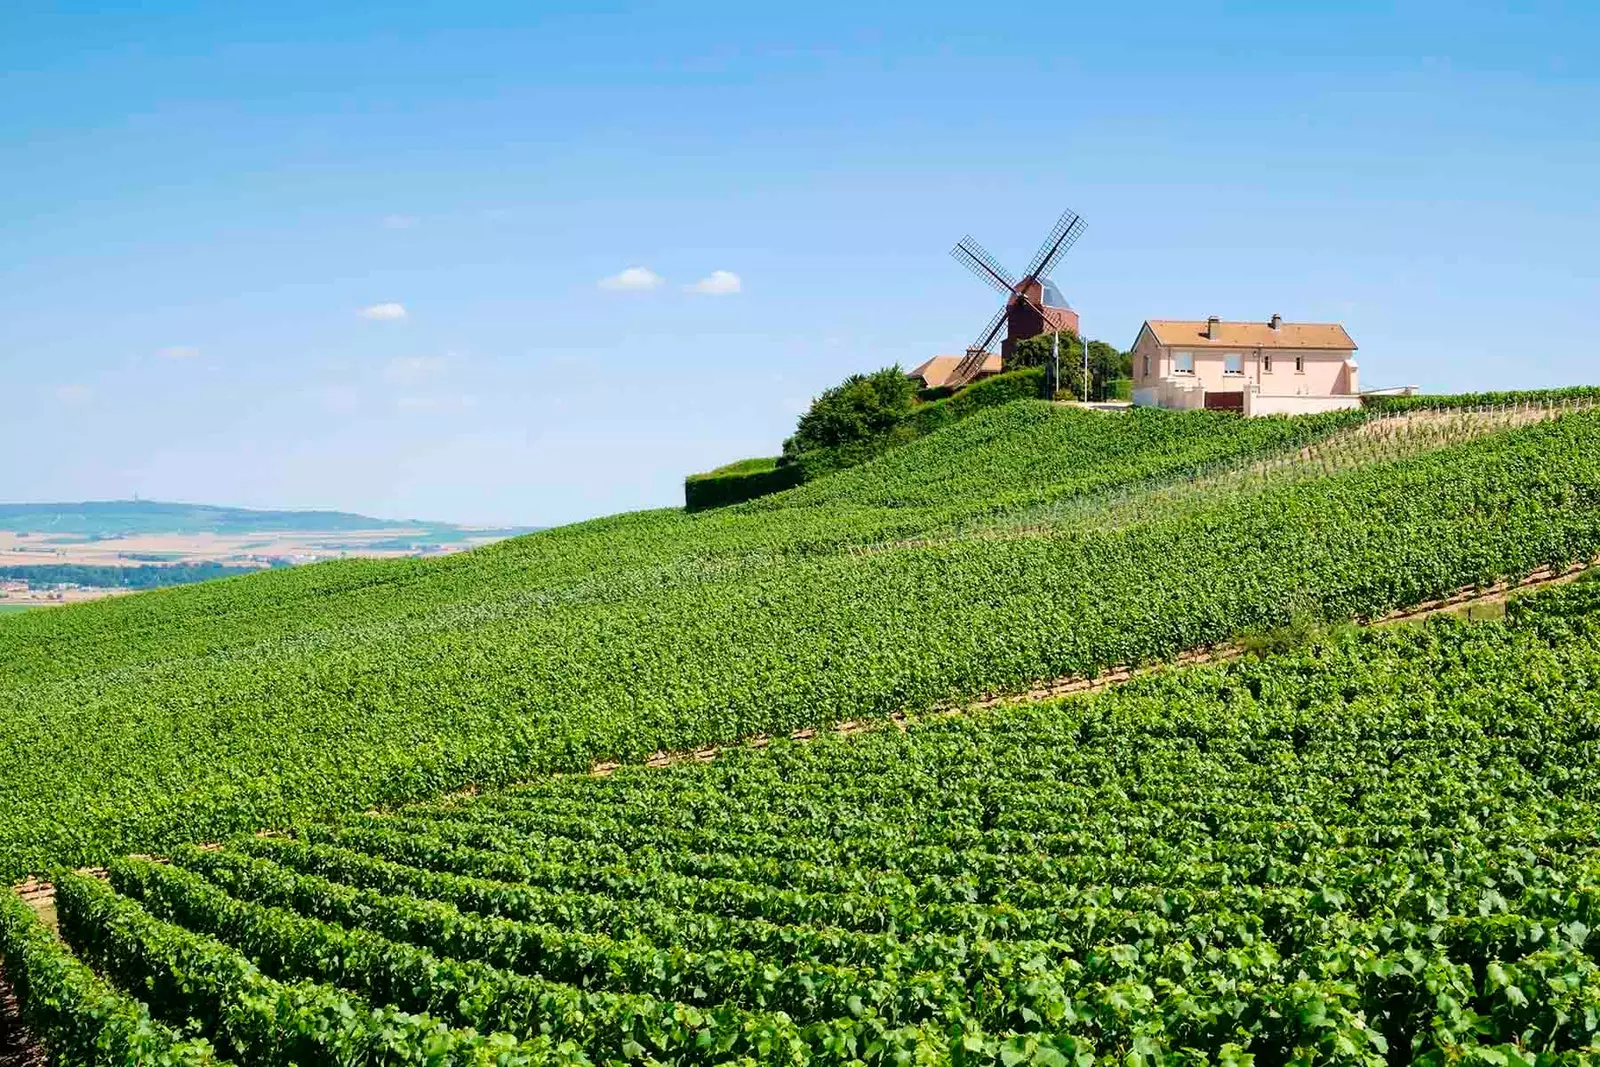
1183,333
936,371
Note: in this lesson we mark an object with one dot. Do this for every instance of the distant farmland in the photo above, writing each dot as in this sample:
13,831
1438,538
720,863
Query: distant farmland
77,551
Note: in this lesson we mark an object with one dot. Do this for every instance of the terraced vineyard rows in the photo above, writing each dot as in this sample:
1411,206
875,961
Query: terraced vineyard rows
1384,849
145,722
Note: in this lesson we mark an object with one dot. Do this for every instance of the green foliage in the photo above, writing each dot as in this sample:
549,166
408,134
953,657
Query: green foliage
1027,454
1573,394
751,478
78,1016
1106,363
734,482
209,985
922,420
1305,628
144,576
1379,847
994,391
862,409
972,560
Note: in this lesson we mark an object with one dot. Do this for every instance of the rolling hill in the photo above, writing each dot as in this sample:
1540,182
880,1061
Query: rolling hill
199,711
1376,847
123,518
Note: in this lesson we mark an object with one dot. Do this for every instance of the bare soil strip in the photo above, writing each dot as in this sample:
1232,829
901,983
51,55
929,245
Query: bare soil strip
18,1048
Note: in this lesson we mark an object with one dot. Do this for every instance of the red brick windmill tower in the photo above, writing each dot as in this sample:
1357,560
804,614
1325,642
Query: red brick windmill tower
1033,304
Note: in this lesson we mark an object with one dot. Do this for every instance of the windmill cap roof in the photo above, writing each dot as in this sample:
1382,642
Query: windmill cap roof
1189,333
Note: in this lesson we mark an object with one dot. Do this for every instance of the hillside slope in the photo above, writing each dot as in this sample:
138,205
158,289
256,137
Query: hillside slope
1376,850
187,714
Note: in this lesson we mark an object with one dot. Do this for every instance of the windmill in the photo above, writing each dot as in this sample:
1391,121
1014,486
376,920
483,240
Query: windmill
1033,304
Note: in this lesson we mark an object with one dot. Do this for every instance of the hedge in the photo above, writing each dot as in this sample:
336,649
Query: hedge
744,480
1119,389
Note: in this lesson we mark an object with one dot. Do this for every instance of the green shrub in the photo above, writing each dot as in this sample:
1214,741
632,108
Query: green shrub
862,408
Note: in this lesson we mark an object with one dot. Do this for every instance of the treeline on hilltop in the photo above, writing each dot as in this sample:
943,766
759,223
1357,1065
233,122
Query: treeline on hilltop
108,576
1110,369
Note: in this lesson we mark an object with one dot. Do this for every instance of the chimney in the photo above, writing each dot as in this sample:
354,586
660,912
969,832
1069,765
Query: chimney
1277,321
1213,329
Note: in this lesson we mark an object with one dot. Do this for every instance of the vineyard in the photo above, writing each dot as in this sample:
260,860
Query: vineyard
1381,849
980,559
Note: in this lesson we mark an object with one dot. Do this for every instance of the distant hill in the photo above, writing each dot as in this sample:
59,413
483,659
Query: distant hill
124,518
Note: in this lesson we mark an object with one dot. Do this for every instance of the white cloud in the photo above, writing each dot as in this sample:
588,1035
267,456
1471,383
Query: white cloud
400,222
634,279
390,312
405,370
72,393
717,283
178,352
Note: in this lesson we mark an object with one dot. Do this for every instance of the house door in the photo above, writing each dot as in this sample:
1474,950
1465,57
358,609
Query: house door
1225,401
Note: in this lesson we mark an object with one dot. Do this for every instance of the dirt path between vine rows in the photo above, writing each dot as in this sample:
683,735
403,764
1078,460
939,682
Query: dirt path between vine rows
17,1046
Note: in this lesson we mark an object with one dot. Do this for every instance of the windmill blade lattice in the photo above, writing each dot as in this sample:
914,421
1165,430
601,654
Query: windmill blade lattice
1063,235
977,259
993,328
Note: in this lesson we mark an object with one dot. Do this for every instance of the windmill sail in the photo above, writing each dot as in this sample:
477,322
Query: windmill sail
977,259
1063,235
1033,305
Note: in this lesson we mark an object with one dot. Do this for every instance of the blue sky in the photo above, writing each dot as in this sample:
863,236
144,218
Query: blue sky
200,202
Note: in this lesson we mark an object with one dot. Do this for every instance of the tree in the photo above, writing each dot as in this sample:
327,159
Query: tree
1106,363
862,408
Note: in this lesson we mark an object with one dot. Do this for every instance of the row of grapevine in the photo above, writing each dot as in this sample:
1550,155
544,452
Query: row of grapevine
80,1017
1383,848
139,724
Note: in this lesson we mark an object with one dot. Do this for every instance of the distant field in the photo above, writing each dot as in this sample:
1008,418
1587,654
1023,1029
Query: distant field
13,607
78,542
300,546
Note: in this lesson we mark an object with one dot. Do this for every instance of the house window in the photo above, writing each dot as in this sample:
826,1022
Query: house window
1146,372
1233,363
1183,363
1299,364
1266,363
